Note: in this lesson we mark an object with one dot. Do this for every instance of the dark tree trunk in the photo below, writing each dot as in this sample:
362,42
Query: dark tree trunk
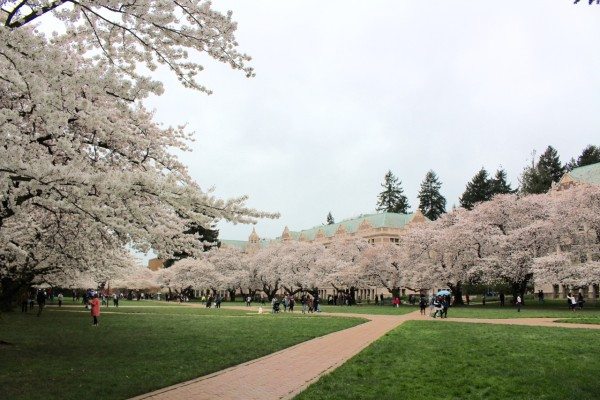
8,292
231,294
518,289
270,291
457,292
352,299
395,292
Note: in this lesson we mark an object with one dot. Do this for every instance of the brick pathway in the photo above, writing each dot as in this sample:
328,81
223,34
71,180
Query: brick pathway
284,374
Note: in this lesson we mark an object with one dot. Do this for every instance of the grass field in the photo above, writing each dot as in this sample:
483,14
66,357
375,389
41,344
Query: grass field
425,360
137,349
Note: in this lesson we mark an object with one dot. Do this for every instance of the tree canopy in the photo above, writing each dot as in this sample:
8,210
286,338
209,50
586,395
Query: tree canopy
431,202
392,198
85,172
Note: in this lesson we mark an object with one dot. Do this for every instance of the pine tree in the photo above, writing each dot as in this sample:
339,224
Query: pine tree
549,165
431,203
589,155
392,199
209,237
499,184
538,177
330,220
478,190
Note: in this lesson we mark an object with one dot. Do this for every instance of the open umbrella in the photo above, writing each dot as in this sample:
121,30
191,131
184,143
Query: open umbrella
444,293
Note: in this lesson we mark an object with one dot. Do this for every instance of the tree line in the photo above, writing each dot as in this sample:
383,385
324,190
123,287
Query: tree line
536,178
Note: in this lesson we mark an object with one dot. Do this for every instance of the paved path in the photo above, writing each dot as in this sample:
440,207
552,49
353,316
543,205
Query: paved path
284,374
272,377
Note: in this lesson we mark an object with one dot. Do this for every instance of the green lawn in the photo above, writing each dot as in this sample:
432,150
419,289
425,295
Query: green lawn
531,311
137,349
426,360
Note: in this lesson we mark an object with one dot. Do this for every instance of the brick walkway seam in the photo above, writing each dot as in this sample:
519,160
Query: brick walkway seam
272,378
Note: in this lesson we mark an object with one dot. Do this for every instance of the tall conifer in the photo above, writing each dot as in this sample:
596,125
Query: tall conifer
478,190
392,199
431,202
330,220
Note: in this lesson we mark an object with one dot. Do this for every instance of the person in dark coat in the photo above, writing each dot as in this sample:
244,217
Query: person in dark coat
41,300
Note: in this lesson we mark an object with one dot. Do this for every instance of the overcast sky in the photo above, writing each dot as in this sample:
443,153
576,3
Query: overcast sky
345,90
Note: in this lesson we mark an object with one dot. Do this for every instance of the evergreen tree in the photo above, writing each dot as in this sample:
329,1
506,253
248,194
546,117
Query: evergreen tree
210,237
571,164
330,220
538,177
589,155
431,202
549,165
392,199
478,190
499,184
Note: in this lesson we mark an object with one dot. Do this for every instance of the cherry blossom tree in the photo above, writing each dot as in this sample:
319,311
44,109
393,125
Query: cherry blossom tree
385,265
341,262
78,147
238,274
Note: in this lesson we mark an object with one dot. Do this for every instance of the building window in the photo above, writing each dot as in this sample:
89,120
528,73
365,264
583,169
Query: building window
394,240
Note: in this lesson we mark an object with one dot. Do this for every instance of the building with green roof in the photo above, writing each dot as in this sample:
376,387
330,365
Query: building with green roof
588,174
376,228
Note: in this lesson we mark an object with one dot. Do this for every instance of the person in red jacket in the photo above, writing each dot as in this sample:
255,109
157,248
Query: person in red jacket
95,305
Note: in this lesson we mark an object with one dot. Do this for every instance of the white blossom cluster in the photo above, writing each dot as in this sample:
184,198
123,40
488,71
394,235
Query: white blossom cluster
549,238
85,172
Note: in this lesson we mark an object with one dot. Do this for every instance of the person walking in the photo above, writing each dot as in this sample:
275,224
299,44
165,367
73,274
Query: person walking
95,309
24,298
60,299
519,303
445,306
422,304
541,296
248,301
115,300
304,304
501,299
580,300
41,300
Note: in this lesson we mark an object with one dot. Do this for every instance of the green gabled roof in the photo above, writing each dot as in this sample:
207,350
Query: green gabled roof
587,174
381,220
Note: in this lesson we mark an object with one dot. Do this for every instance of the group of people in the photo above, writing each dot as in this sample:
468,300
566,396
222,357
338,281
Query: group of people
309,304
438,304
212,301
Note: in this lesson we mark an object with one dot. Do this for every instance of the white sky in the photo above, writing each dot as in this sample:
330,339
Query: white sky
346,90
